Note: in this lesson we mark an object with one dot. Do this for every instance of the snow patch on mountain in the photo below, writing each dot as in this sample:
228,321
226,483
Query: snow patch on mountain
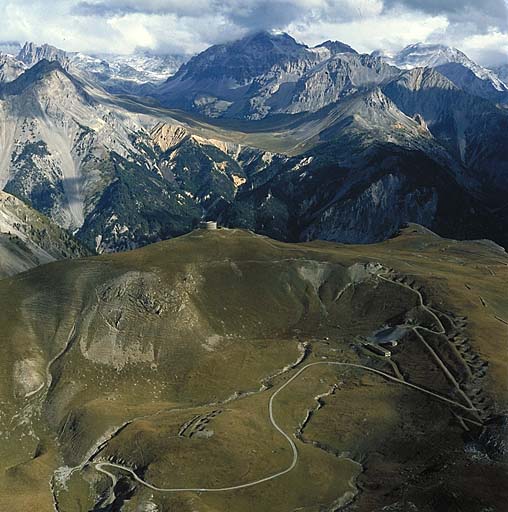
502,72
11,48
435,55
10,68
139,68
116,73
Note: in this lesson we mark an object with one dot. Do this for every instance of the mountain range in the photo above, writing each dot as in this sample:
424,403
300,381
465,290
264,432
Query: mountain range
115,73
265,133
454,65
231,369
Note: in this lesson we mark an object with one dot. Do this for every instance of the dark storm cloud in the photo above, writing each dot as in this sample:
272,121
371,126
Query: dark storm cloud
249,14
481,13
261,14
276,12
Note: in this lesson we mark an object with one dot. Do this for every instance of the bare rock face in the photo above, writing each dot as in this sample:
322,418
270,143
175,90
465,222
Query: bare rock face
10,68
55,136
28,375
341,221
29,239
167,136
268,73
123,306
469,127
421,121
31,54
339,76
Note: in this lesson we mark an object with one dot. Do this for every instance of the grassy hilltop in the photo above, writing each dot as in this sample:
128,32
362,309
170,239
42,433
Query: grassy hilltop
163,360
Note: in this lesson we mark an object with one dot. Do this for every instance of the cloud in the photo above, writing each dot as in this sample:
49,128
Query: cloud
479,28
272,13
491,47
483,14
387,31
248,15
157,7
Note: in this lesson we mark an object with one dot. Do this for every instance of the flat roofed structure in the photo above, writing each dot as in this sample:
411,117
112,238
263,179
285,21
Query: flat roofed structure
209,225
378,349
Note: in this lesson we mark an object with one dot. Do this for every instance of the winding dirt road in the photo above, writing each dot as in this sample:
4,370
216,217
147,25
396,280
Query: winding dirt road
440,332
101,465
470,408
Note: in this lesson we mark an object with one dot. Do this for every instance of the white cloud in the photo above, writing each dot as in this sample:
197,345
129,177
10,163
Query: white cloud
491,47
134,30
55,26
387,31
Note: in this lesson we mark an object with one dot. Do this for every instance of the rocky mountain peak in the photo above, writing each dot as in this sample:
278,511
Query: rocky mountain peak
36,73
267,40
336,47
48,86
10,68
447,60
31,54
245,59
429,55
266,73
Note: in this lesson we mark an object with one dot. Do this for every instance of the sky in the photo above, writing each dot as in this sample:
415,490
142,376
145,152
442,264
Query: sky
477,27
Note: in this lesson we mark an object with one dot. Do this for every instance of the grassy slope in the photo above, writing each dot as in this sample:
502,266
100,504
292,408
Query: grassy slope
29,239
194,320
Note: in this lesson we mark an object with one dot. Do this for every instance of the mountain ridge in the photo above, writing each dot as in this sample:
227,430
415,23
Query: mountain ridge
455,65
84,156
28,239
